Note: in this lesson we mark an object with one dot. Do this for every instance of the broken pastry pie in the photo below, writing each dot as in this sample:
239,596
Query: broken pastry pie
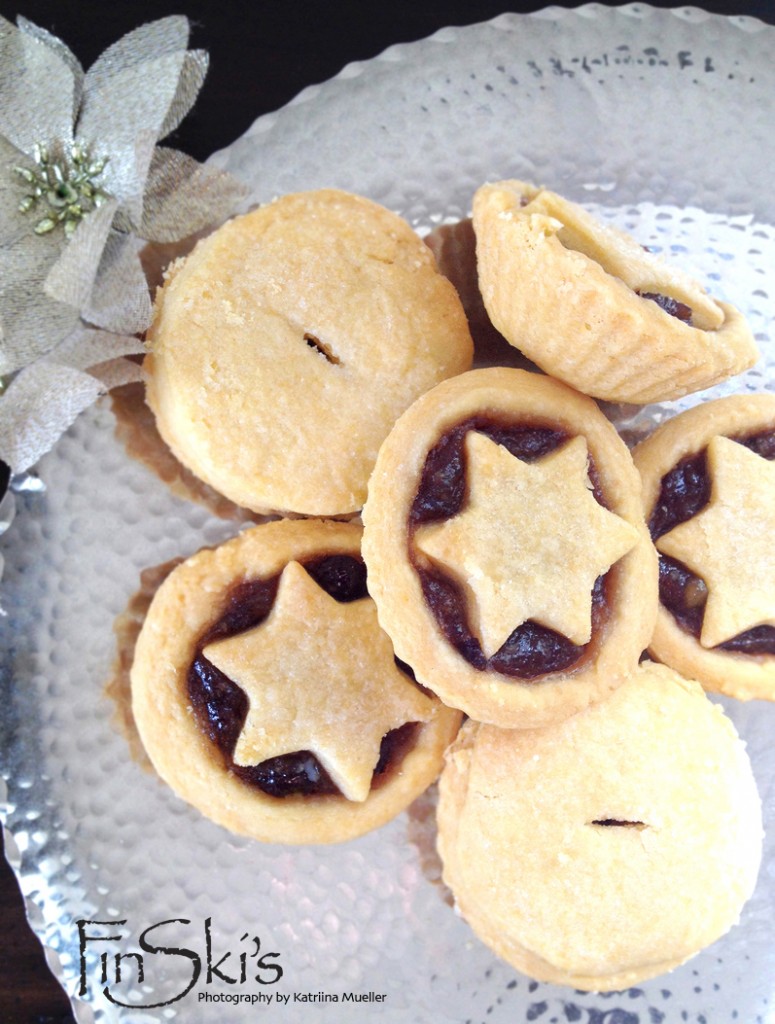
268,697
709,499
592,307
608,848
506,548
284,347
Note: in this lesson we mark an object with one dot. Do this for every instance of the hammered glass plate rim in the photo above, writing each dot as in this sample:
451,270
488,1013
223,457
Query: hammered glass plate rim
508,21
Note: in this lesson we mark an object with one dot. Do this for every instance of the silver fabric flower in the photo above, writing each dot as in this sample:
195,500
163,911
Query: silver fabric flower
83,186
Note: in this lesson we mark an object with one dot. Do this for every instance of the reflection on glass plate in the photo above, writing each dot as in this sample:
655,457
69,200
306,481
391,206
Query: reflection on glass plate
661,122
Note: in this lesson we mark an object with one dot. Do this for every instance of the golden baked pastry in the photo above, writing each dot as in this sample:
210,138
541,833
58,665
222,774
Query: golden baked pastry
506,548
608,848
709,498
284,347
268,697
595,309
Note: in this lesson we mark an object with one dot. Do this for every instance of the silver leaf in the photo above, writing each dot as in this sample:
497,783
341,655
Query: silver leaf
192,75
122,119
117,372
38,90
13,223
86,348
71,278
120,301
64,52
183,196
32,322
145,43
38,407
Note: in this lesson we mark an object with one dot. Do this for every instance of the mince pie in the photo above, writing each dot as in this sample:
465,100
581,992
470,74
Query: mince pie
506,548
610,847
284,347
709,499
592,307
268,697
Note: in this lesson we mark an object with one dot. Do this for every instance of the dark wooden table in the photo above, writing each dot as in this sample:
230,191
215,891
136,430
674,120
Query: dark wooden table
261,55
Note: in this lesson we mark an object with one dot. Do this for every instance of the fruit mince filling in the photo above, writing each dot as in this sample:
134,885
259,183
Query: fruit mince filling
671,306
221,706
684,492
532,650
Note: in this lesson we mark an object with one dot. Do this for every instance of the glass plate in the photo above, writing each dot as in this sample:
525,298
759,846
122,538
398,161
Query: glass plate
662,122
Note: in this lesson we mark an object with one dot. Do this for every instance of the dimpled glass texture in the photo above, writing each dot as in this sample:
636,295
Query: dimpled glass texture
659,121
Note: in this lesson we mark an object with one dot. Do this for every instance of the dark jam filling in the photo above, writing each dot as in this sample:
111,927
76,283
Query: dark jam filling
221,706
675,308
302,773
443,481
684,492
532,650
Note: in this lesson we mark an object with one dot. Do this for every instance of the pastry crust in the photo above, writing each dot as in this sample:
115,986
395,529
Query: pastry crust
390,547
189,601
734,673
284,347
609,848
561,287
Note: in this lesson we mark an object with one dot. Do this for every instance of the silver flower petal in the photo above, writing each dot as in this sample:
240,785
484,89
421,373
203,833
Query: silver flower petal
116,372
32,322
38,407
120,300
143,94
63,51
38,89
192,76
86,348
71,278
13,224
145,43
183,196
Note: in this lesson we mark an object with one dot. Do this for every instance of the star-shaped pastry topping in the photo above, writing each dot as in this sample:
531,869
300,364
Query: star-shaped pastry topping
730,542
319,675
529,542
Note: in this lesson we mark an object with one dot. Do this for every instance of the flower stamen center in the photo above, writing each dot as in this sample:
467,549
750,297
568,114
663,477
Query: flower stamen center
64,188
